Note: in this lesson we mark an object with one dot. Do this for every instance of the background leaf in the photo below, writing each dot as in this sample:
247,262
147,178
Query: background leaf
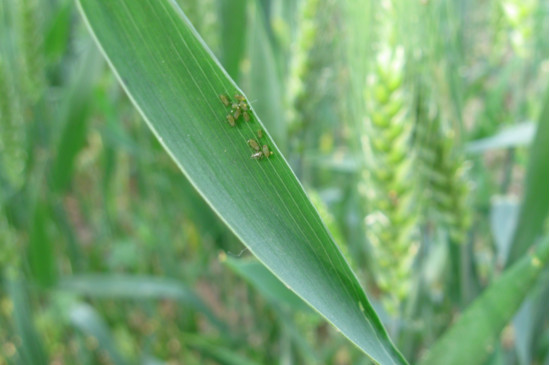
233,34
40,252
264,281
471,338
216,352
137,287
517,135
263,80
534,209
31,349
175,83
87,320
74,116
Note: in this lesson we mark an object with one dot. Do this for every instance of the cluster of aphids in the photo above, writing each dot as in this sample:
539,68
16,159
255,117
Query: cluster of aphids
240,108
262,152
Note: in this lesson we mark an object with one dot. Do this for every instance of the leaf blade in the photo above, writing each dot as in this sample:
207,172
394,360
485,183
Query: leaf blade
474,333
86,319
175,83
137,287
534,208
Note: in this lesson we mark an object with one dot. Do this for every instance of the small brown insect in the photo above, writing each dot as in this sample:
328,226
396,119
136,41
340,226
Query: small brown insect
239,97
230,120
237,114
253,144
246,117
243,105
235,106
266,151
260,134
224,99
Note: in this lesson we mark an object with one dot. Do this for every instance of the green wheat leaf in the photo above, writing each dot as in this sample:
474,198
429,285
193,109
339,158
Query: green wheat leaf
175,82
471,338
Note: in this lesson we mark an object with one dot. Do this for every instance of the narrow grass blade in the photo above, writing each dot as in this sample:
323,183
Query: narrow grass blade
530,323
40,251
233,34
517,135
471,338
137,287
216,352
87,320
271,289
534,209
176,84
266,283
503,218
74,115
30,349
263,80
58,32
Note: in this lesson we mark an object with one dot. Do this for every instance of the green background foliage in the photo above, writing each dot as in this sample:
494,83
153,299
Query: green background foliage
419,131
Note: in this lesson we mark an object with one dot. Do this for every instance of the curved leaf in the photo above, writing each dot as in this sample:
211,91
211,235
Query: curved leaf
30,347
534,208
517,135
264,281
138,287
175,82
471,339
87,320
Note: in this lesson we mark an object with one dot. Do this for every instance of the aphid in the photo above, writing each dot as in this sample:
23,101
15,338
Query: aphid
224,99
253,144
239,97
235,106
230,120
260,134
246,117
243,105
266,151
237,114
257,155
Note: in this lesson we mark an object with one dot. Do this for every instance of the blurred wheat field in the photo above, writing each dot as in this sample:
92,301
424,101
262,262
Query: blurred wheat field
419,130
